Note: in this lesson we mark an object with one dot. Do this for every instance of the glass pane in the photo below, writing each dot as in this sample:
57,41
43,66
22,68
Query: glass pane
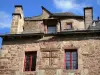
51,29
27,67
30,61
74,56
67,55
69,26
74,65
67,64
33,62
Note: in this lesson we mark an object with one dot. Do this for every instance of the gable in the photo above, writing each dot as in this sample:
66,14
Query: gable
45,13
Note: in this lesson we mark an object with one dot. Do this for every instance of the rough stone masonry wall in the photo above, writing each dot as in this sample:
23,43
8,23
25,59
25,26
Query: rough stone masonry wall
77,24
88,17
14,52
33,27
38,26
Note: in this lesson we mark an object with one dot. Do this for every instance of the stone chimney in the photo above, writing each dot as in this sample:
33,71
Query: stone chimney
88,16
17,20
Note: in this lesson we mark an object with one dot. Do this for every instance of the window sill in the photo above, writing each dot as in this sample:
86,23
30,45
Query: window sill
29,72
73,70
76,71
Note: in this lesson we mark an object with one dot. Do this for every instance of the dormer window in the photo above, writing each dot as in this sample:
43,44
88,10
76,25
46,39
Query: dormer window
51,29
69,25
50,26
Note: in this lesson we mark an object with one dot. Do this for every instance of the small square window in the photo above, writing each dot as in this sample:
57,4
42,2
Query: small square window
71,59
69,25
30,61
51,29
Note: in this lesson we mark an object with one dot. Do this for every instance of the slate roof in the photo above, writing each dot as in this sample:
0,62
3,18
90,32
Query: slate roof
95,25
63,14
33,18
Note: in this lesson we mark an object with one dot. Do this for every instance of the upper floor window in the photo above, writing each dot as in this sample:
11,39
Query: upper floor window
51,29
71,59
69,25
30,61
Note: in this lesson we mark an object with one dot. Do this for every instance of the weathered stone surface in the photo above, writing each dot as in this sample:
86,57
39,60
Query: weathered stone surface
88,17
50,72
87,50
59,72
50,50
33,27
17,21
40,72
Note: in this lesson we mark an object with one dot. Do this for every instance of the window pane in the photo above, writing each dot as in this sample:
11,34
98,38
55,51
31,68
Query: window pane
51,29
27,63
69,25
33,62
67,55
67,64
74,65
74,56
30,62
71,59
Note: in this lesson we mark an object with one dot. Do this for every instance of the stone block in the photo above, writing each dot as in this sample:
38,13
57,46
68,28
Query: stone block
40,72
59,72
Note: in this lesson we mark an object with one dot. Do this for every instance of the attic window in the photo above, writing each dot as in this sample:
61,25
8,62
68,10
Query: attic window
69,25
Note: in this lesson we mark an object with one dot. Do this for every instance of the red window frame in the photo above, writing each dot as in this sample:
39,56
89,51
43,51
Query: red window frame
71,59
31,55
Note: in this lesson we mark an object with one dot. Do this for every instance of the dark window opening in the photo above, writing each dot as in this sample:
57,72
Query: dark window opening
71,59
51,29
68,25
30,61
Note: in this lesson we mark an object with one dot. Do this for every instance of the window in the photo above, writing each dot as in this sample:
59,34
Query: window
30,61
71,59
69,25
51,29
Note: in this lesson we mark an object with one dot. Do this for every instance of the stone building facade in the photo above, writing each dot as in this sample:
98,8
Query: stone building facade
51,44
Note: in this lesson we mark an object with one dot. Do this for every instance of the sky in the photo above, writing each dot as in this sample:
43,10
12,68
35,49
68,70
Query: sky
33,8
